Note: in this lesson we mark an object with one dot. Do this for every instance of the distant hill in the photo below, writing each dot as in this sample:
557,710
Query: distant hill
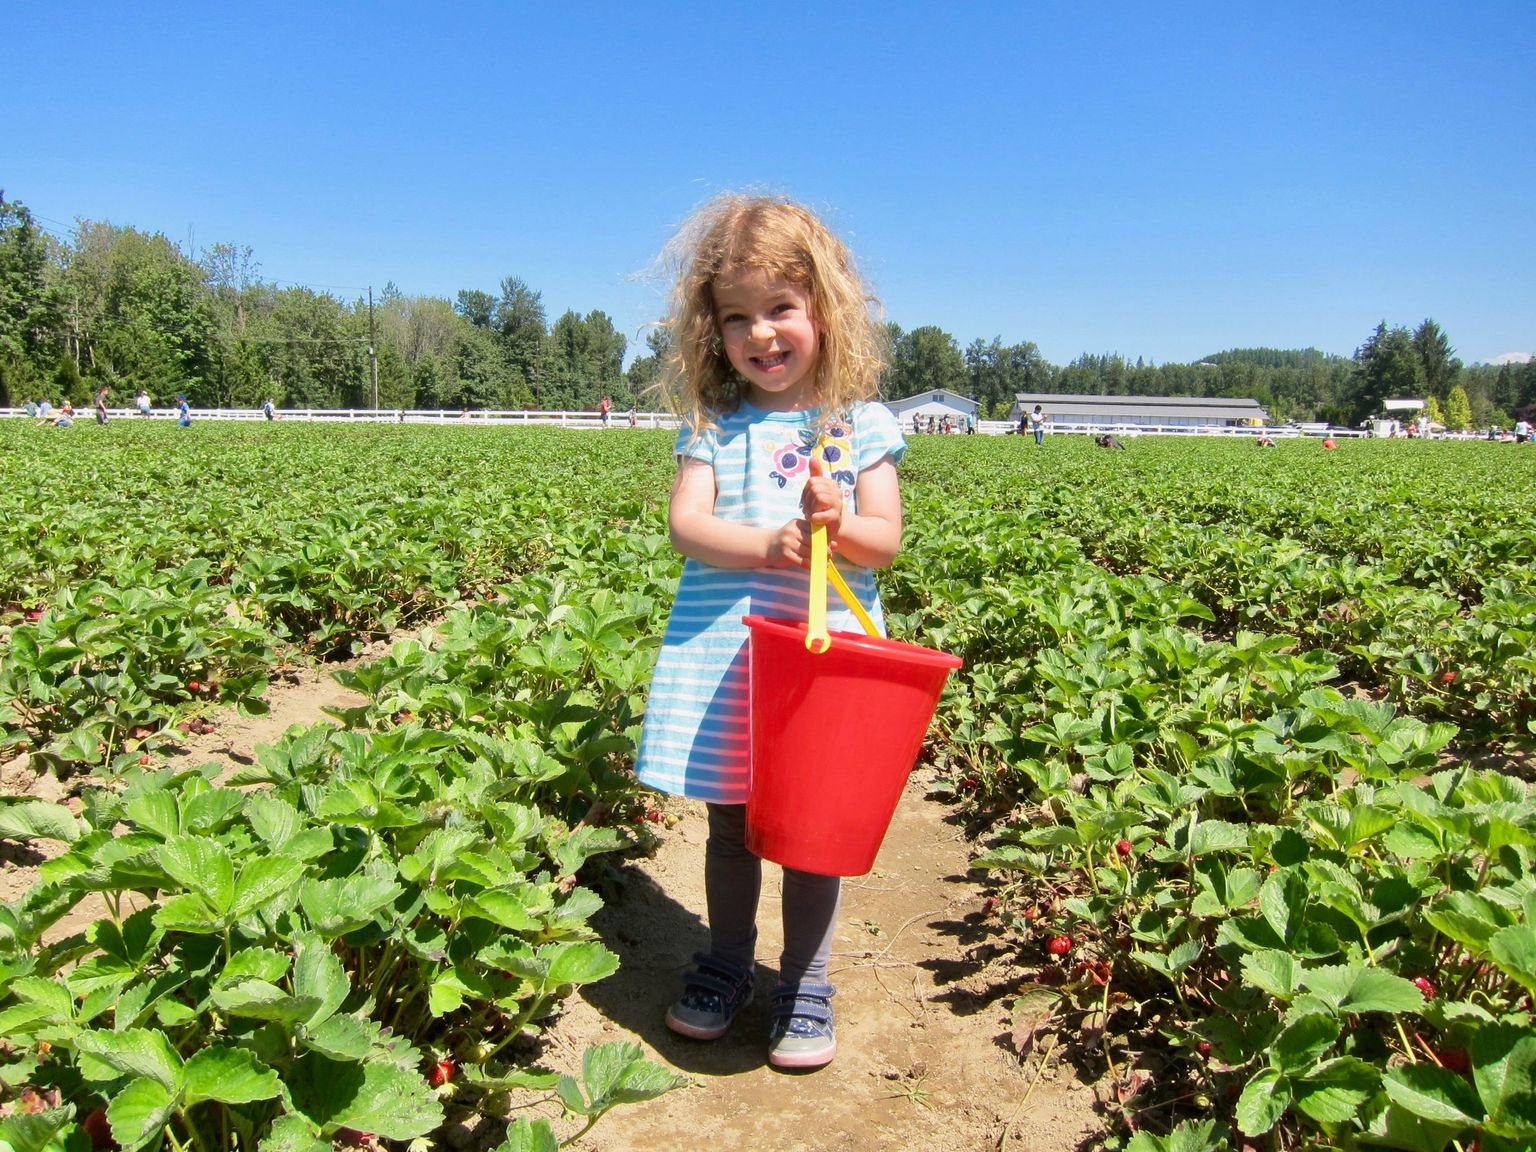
1273,357
1512,358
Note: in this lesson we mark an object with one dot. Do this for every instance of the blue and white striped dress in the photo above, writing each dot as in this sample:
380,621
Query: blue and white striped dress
694,742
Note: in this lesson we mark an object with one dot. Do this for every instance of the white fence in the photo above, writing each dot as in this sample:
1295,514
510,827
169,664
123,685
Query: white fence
87,415
618,419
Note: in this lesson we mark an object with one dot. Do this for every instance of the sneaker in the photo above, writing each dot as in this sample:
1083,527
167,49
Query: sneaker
801,1034
712,995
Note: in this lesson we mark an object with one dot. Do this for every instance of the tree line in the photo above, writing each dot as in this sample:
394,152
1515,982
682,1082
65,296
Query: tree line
112,305
1290,384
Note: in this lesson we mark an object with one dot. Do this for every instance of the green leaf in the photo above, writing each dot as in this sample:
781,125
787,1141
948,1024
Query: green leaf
392,1102
1357,988
290,1133
209,810
582,963
318,973
1282,900
1187,1136
259,1000
203,866
188,912
525,1135
1433,1093
32,1131
336,907
1303,1041
155,812
262,880
1513,949
502,908
39,820
1263,1102
341,1037
1468,919
51,998
1272,971
1503,1061
263,963
137,1051
1395,1127
272,818
1336,1090
139,1112
232,1075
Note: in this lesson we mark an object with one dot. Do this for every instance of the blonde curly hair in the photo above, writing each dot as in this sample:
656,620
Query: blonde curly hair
734,232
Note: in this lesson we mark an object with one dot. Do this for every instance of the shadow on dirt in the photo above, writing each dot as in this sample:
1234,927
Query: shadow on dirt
655,938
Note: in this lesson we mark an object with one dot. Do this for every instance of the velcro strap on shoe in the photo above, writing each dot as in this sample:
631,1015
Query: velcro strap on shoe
716,975
808,1000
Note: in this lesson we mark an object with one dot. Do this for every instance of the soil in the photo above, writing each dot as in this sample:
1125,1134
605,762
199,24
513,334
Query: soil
922,1001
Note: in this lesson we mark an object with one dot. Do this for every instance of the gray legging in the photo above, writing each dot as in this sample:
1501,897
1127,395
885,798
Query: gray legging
733,880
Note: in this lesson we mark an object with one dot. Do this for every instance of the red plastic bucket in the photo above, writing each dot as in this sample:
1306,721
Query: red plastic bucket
833,737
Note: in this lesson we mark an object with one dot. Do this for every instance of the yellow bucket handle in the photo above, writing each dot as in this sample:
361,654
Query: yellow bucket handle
817,638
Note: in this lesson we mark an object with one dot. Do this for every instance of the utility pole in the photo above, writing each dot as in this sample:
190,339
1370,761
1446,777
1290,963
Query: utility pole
373,355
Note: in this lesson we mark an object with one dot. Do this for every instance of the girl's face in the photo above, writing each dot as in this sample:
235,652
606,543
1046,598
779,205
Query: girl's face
770,337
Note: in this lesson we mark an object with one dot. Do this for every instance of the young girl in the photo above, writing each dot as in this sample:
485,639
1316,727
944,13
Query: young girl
774,361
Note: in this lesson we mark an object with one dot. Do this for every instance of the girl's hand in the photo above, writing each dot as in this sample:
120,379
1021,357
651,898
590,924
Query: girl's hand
790,546
822,499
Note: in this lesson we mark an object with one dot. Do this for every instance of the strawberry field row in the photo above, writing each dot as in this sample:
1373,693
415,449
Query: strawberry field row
1240,733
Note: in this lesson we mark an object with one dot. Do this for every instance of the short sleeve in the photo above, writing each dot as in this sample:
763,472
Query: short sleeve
877,434
696,446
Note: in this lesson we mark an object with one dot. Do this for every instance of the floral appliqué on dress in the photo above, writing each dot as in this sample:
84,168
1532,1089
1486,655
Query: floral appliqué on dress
792,461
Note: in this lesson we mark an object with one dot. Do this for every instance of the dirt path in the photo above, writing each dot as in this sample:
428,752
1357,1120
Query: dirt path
922,1019
923,1056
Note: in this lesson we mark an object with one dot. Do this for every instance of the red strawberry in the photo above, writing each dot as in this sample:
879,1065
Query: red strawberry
1424,986
1059,945
1454,1059
144,759
1124,847
441,1072
96,1127
1448,677
194,686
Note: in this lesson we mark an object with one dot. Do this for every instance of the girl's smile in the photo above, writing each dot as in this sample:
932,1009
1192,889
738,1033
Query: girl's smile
770,337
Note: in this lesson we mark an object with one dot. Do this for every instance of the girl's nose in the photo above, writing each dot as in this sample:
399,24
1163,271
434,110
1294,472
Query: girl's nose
762,330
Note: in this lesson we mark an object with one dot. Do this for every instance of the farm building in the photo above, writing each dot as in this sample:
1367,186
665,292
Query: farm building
939,404
1075,411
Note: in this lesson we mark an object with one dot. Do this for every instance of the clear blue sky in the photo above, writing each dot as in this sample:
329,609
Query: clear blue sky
1160,180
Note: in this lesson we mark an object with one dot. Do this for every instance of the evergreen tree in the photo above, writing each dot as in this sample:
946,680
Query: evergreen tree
1386,367
1436,359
